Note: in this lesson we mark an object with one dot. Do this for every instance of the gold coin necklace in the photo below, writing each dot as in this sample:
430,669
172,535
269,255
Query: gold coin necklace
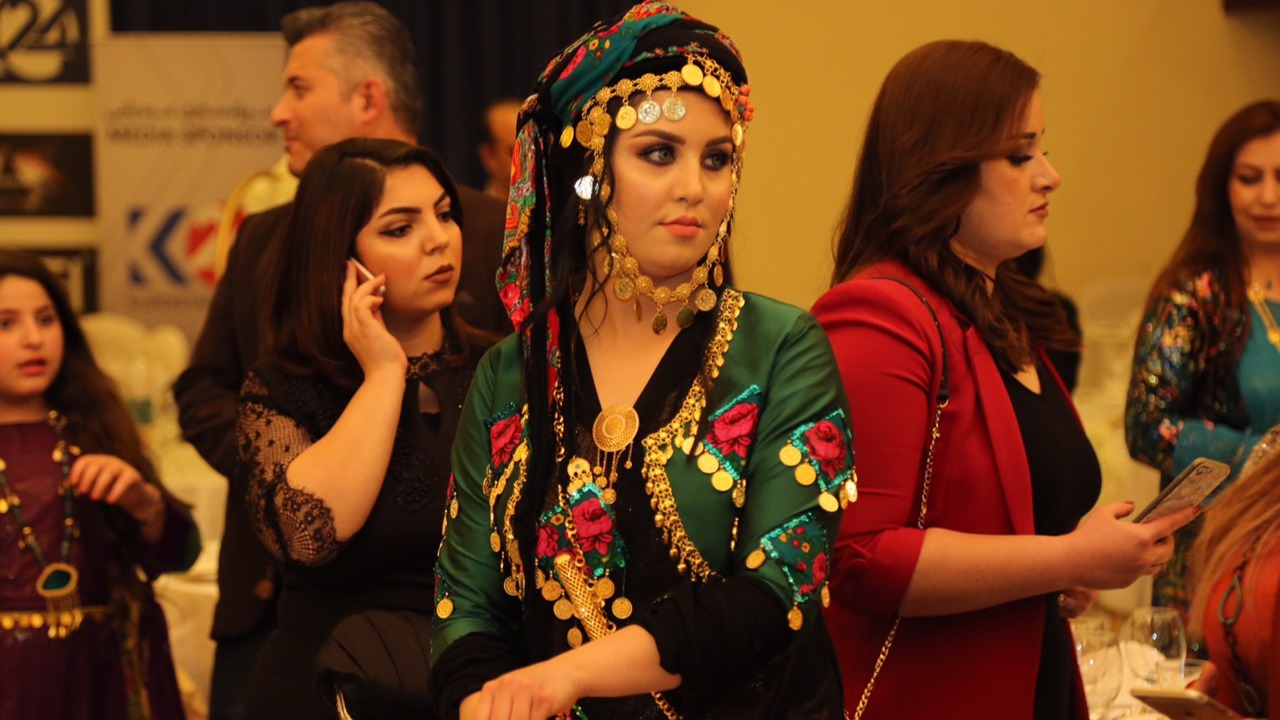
1259,300
614,431
59,581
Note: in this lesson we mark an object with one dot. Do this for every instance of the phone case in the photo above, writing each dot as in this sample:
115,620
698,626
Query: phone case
1184,704
1191,487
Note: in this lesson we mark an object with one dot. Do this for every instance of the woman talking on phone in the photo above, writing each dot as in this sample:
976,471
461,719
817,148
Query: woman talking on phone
344,433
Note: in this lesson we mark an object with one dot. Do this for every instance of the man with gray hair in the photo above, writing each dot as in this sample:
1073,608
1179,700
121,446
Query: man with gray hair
349,73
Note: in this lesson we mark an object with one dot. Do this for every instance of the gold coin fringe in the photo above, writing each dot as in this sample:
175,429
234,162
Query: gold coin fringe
661,445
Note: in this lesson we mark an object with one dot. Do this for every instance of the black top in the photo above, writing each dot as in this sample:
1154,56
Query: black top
387,564
1065,482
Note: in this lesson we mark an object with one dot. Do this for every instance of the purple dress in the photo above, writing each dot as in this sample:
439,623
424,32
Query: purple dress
92,673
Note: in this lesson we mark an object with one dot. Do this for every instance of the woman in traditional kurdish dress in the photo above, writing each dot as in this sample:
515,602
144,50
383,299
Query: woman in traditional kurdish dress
968,549
344,433
1206,365
84,524
648,476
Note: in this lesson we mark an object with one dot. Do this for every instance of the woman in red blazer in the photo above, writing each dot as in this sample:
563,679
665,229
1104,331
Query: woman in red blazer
952,184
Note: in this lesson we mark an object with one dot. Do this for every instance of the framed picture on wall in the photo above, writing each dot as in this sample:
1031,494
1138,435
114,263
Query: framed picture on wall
44,42
78,269
46,175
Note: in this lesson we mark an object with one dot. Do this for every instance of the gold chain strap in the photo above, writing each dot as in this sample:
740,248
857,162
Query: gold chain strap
924,503
943,398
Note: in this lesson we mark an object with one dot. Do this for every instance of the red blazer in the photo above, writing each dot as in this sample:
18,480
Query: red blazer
974,665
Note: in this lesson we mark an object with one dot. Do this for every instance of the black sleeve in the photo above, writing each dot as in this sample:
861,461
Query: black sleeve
712,635
464,668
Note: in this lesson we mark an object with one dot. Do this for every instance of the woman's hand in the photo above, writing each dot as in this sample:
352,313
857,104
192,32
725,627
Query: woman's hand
1110,553
107,478
363,329
1074,601
536,692
1208,681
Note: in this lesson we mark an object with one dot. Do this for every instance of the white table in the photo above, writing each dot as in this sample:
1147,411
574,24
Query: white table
189,598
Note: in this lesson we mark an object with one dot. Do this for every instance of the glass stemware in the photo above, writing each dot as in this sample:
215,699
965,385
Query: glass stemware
1150,636
1101,669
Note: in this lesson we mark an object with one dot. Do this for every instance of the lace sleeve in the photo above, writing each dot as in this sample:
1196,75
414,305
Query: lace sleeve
294,525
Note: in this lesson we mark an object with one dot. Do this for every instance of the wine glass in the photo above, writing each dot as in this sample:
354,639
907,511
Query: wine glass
1152,635
1101,669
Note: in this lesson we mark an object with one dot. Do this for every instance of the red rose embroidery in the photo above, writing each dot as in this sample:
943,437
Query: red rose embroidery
819,568
819,573
826,445
733,431
504,437
594,526
548,541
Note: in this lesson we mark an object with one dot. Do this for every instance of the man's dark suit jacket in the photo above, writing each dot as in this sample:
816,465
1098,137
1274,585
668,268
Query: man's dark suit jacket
207,392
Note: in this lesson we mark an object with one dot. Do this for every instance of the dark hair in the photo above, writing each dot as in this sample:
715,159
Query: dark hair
99,421
574,244
944,109
365,32
337,195
1212,242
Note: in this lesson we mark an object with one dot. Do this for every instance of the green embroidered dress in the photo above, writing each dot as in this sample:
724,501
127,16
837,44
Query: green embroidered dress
714,535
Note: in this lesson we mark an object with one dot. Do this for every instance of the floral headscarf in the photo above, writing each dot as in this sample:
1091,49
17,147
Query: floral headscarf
650,32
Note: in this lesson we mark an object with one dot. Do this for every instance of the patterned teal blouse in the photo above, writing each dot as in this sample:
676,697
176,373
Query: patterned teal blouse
1181,403
1184,403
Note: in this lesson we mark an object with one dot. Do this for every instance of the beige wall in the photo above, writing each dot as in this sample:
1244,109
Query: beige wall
1133,90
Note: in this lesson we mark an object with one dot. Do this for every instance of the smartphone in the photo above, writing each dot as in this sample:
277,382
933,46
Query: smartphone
1184,704
364,271
1191,487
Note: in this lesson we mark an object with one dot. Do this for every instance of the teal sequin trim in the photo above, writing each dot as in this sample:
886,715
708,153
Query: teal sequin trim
799,548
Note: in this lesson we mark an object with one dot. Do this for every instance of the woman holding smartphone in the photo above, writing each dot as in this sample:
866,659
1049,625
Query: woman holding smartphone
974,470
344,434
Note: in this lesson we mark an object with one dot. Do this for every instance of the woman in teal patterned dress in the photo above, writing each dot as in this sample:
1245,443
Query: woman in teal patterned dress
1206,368
643,503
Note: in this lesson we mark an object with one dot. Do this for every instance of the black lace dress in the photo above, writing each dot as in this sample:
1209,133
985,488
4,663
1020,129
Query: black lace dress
387,564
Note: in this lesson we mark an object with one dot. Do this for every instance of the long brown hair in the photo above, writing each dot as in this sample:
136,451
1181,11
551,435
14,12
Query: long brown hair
1247,512
944,109
337,196
1212,242
99,420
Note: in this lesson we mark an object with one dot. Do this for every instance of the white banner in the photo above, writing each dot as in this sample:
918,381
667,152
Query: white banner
179,120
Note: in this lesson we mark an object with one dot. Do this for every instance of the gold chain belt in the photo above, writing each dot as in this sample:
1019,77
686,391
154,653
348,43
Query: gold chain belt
60,623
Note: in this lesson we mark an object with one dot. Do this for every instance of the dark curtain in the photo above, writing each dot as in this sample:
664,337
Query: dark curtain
470,52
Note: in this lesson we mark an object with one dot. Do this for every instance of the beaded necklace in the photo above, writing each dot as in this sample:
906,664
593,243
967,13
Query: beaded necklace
59,581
